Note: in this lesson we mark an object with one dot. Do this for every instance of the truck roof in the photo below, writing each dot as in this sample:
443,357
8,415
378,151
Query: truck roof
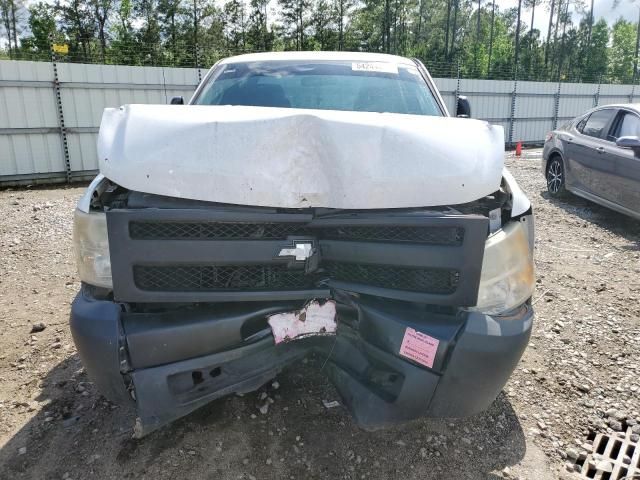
322,56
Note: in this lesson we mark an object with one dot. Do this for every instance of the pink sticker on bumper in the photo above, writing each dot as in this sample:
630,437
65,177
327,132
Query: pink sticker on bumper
419,347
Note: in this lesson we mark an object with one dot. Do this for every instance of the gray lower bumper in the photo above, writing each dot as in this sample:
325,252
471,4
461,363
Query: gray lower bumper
175,362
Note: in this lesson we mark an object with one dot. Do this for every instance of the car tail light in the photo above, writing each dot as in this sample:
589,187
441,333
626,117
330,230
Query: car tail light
548,137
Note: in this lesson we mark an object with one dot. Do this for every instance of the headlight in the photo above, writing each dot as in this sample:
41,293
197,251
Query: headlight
507,279
92,248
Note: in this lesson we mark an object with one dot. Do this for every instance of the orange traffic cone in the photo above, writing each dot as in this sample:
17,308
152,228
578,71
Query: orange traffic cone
518,148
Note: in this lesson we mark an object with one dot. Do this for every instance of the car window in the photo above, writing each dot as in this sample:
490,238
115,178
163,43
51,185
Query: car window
580,124
596,122
627,126
324,85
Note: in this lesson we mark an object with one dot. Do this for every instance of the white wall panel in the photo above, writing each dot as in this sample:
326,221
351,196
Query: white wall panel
28,106
26,71
534,105
527,130
82,151
24,154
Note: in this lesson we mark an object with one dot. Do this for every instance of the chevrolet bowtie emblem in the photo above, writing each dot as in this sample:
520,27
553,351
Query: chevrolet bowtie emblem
301,251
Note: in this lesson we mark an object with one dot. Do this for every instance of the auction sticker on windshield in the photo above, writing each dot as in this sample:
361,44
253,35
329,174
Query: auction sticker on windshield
375,67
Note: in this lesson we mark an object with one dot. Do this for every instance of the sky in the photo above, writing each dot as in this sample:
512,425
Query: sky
601,8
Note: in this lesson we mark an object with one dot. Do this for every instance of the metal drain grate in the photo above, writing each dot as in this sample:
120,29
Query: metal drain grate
613,457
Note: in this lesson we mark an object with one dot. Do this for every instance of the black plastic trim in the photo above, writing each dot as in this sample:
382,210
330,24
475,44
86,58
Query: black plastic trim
96,329
126,252
173,335
181,362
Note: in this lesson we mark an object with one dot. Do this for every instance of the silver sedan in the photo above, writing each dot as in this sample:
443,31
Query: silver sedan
597,156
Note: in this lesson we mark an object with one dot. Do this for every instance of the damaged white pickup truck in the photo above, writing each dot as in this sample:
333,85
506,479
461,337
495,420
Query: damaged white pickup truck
303,202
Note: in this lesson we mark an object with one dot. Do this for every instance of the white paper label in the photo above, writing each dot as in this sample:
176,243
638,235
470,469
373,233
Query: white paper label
376,67
312,319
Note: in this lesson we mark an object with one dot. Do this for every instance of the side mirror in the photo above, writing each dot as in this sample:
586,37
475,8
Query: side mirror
177,101
463,108
629,142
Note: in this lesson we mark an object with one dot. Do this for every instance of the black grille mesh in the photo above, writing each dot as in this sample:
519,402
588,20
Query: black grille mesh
452,236
426,280
213,230
187,278
431,235
276,277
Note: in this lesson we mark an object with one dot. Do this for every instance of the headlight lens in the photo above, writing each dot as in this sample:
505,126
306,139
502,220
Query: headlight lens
507,278
91,246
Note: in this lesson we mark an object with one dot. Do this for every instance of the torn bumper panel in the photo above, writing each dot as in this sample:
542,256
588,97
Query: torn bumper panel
173,362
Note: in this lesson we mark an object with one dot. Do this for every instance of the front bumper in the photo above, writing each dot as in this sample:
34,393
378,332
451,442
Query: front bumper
174,361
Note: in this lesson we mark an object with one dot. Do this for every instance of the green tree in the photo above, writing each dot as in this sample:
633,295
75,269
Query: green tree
148,34
295,18
485,41
235,24
101,12
342,11
78,25
258,34
12,13
169,18
323,21
42,25
599,51
623,39
123,48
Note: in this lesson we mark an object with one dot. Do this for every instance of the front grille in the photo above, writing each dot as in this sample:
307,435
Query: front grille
186,278
426,280
451,236
213,230
234,254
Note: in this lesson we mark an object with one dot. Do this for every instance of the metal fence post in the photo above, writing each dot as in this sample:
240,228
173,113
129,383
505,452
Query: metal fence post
556,106
596,97
198,64
457,93
633,91
512,119
63,129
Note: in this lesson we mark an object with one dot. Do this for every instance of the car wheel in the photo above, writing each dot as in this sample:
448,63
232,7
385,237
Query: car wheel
555,177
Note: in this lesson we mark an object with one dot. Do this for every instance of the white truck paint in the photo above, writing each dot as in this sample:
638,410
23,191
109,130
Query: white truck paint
292,158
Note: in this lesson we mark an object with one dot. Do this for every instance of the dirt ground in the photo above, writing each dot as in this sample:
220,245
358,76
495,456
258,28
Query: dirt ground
578,376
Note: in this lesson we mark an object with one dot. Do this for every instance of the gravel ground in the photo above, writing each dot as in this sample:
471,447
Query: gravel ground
579,375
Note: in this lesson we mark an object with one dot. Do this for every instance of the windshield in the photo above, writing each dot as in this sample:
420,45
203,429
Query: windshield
353,86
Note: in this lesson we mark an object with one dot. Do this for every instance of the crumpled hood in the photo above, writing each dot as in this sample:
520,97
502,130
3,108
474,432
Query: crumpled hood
291,158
